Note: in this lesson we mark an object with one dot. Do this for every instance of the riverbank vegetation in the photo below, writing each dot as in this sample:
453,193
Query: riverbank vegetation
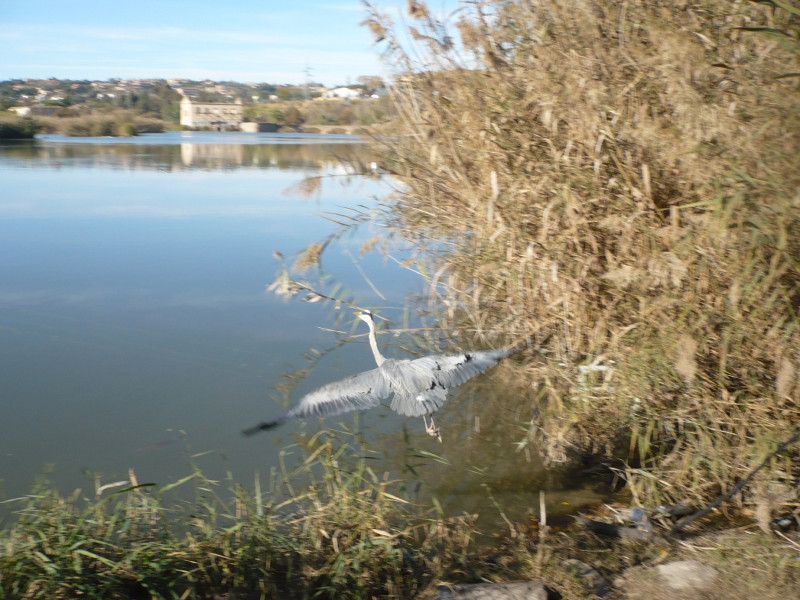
87,113
355,114
332,528
328,116
620,183
117,123
16,128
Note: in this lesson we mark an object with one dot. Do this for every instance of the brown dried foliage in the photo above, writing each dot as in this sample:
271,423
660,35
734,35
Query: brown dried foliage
619,179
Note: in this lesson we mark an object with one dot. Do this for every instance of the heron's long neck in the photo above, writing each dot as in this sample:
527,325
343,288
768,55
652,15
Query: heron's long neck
373,343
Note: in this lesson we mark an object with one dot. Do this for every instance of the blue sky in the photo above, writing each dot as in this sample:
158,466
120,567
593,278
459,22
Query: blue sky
242,40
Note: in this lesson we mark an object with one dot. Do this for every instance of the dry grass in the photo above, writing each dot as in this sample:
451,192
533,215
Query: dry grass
331,528
620,181
124,123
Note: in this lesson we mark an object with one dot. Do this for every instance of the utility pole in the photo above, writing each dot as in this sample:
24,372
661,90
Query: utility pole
308,80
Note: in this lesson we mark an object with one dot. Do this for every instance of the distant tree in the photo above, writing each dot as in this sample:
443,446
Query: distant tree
293,117
274,115
264,113
169,102
291,92
205,96
17,128
124,100
266,88
143,103
370,82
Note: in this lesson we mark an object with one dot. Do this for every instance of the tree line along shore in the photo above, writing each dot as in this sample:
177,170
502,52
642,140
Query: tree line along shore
156,109
334,116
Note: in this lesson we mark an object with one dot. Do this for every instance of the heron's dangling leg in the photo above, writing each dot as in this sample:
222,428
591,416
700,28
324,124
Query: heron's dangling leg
432,430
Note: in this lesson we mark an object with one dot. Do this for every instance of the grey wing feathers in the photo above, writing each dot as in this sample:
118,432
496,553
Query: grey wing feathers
419,386
429,378
452,370
364,390
360,391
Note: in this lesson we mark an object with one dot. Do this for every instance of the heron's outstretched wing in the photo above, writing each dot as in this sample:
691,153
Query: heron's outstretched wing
428,379
451,370
360,391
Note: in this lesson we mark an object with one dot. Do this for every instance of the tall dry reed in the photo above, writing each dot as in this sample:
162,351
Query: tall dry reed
620,180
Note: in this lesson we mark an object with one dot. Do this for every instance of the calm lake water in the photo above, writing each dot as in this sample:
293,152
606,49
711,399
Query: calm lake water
135,331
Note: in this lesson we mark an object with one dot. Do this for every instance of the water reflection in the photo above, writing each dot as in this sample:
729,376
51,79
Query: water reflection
177,151
480,467
135,331
132,304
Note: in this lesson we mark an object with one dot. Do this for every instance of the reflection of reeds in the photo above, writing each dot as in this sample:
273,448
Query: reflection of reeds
621,181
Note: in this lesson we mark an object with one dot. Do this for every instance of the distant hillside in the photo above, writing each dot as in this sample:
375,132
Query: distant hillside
288,105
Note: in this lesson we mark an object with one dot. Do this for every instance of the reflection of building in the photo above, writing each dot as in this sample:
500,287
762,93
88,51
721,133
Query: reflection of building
213,156
212,115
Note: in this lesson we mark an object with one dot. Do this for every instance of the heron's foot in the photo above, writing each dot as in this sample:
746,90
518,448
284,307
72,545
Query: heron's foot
432,430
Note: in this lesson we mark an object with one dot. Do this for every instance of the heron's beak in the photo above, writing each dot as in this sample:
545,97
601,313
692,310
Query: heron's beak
357,313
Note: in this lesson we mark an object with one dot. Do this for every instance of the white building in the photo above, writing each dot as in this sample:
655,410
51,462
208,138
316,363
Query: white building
341,92
212,115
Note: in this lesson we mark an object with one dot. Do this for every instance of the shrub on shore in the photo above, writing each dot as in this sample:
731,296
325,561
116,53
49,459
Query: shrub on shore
17,128
97,124
618,181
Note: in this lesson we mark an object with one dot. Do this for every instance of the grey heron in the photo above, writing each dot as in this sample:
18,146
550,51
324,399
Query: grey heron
416,387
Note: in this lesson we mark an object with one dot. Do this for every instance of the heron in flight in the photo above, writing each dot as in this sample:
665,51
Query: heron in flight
416,387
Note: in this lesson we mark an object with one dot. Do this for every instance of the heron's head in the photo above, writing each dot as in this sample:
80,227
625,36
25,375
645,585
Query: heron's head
365,316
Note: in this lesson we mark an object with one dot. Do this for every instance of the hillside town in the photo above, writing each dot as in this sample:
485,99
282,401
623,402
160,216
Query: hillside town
191,104
18,94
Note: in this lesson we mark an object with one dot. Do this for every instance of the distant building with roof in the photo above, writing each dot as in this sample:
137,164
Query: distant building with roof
211,115
342,92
